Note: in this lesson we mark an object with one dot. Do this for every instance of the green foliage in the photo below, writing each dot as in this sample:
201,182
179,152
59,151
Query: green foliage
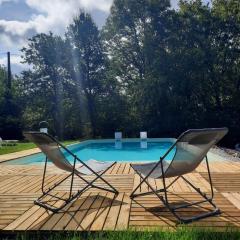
178,69
20,146
157,234
10,125
150,68
2,81
16,148
44,85
87,54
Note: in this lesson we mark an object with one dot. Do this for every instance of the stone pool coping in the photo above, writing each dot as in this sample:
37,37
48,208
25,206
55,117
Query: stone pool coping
19,154
213,155
24,153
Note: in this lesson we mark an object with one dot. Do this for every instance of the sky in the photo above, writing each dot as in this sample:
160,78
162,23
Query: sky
21,19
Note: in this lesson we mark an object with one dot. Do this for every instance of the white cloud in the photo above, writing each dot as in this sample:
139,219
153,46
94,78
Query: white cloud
174,3
15,59
16,65
53,15
3,61
16,27
58,6
103,5
6,40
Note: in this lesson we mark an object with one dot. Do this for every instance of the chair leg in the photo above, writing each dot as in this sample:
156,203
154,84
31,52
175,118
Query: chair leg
173,210
133,195
99,176
71,197
40,201
209,200
45,205
153,192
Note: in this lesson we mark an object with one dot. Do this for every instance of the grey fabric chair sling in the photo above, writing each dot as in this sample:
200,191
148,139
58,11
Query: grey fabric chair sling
51,148
192,147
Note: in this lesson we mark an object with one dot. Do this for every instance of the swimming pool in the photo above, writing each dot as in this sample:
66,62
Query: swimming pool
127,150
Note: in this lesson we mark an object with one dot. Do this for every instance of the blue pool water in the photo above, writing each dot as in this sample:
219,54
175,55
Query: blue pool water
126,151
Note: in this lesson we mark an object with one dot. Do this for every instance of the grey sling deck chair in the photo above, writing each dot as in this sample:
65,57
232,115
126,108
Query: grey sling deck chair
191,148
51,148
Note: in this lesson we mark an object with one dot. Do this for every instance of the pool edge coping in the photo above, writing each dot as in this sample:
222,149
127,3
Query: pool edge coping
36,150
29,152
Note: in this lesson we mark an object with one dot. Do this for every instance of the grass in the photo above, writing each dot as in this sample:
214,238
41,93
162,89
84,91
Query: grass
179,234
25,146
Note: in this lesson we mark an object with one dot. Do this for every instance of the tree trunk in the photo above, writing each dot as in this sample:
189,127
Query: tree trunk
58,111
92,113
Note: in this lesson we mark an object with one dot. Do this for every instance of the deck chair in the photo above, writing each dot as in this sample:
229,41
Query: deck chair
118,136
51,148
143,135
143,138
191,148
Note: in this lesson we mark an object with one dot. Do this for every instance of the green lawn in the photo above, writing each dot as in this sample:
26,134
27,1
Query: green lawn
179,234
24,146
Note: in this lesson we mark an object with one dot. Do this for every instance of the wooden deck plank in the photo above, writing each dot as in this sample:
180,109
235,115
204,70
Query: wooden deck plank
76,220
21,180
33,222
41,217
149,211
113,214
219,167
225,182
36,186
234,198
101,215
121,168
92,212
63,218
10,209
99,210
115,169
123,218
27,218
8,183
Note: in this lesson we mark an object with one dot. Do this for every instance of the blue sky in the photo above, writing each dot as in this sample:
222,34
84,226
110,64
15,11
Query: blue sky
21,19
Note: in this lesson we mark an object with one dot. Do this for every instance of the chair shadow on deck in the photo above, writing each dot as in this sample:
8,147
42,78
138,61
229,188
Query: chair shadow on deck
80,214
158,210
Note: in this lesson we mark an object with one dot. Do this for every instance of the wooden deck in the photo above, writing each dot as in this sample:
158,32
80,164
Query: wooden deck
99,210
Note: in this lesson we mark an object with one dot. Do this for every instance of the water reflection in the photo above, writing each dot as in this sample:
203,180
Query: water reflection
143,144
118,144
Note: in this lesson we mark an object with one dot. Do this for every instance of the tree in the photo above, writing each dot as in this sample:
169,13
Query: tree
177,69
227,15
150,68
2,81
88,68
10,123
45,52
134,33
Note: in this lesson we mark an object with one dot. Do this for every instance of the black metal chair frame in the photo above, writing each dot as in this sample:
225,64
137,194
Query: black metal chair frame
164,198
74,172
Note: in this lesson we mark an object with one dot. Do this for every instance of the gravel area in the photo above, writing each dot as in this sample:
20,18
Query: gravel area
229,154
